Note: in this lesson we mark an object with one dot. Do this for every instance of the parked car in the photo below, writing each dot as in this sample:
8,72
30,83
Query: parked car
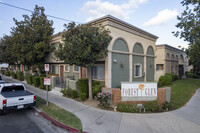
1,81
14,96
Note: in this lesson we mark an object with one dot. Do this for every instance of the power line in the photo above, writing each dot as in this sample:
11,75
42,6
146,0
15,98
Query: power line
32,12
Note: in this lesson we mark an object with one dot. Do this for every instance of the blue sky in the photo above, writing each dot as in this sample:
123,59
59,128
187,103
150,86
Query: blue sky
155,16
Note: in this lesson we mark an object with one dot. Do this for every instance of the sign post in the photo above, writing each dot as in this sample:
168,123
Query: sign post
46,80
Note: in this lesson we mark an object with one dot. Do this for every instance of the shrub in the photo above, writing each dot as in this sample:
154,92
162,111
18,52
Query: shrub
14,75
104,98
83,88
165,80
96,88
29,79
20,76
123,107
153,106
64,92
7,73
36,81
74,94
174,76
42,86
190,75
3,72
42,75
83,96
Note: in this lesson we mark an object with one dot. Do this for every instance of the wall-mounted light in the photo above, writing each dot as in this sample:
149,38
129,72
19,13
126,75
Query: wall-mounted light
115,61
121,64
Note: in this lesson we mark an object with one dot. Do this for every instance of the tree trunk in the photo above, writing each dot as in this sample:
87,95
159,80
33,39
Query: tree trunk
90,83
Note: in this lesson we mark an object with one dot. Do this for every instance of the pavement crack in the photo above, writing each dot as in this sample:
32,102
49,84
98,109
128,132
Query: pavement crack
81,109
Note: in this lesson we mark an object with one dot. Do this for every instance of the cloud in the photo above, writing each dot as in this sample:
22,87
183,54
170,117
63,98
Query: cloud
162,17
98,8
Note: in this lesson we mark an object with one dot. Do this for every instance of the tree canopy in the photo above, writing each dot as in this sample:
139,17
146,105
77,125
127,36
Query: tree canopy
30,39
83,46
189,25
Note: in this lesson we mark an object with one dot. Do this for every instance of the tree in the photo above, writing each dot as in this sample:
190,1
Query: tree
31,38
83,46
189,24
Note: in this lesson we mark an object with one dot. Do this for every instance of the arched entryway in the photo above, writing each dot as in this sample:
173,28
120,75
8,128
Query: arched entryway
120,62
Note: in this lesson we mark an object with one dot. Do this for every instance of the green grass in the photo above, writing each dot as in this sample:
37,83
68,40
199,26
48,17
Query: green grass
182,91
59,114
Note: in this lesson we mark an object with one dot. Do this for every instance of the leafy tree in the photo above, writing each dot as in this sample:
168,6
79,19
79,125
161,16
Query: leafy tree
189,25
83,46
30,39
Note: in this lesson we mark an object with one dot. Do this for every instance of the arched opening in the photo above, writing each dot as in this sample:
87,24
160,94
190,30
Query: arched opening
120,62
138,63
150,61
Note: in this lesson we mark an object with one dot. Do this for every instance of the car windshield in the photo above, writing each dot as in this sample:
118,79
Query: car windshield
12,88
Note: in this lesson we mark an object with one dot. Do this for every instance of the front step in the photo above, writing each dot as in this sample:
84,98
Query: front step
56,91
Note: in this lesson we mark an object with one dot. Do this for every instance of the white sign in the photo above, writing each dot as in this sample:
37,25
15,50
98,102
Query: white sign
131,91
47,81
46,67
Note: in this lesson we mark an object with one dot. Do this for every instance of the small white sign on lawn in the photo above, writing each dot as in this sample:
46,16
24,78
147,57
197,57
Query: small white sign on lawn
47,81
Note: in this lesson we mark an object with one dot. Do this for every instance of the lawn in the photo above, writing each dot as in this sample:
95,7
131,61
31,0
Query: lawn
182,91
59,114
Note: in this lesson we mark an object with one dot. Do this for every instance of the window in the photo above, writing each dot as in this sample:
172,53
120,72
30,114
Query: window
98,72
76,69
138,70
55,69
159,67
67,68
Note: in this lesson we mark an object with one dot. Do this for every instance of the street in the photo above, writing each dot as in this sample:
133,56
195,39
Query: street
26,121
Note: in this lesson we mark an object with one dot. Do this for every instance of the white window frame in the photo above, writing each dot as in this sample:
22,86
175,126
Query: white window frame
76,71
140,70
68,67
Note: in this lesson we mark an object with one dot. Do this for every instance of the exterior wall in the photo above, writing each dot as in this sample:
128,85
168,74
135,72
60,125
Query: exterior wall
131,39
173,60
71,73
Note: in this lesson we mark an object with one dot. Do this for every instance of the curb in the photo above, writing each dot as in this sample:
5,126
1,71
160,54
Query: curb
56,123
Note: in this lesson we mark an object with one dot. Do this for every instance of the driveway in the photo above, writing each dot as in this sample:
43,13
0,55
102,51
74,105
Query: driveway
183,120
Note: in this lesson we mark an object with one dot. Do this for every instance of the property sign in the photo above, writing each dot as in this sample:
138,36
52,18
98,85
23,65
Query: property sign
47,81
138,91
46,67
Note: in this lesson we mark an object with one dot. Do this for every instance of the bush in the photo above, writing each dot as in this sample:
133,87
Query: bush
29,79
83,96
36,81
153,106
20,76
3,72
96,88
122,107
165,80
174,76
7,73
103,98
14,75
190,75
42,75
42,86
74,94
83,88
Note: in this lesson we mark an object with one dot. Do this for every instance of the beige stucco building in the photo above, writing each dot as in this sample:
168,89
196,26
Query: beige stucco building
170,60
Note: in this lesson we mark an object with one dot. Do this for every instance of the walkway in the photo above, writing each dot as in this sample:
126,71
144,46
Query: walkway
184,120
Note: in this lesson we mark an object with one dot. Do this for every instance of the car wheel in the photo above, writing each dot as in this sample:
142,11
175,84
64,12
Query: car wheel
1,112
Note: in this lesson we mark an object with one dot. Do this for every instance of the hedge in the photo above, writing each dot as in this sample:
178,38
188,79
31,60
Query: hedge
165,80
36,81
42,83
174,76
29,79
7,73
83,88
20,76
14,75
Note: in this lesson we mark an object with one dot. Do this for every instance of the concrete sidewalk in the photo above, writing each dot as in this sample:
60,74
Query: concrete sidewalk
183,120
